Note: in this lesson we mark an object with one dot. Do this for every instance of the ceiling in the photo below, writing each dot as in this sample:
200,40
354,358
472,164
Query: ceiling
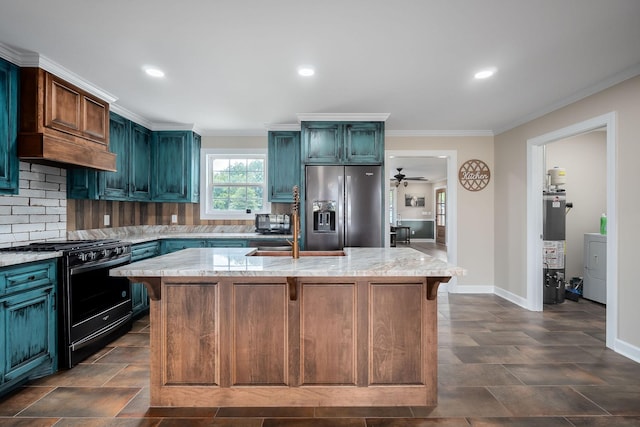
231,65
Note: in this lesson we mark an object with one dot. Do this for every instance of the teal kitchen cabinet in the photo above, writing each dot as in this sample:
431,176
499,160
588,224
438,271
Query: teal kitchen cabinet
132,145
176,166
82,183
139,294
9,80
226,243
171,245
28,321
284,165
348,143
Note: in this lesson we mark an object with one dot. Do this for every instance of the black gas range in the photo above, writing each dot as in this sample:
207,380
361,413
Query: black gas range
94,308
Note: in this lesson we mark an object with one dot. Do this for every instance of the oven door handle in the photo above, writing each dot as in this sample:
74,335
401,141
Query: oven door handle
102,264
98,334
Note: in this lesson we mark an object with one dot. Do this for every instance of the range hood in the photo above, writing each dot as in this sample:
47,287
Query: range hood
61,124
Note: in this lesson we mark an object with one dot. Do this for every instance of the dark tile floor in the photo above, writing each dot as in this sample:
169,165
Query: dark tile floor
499,365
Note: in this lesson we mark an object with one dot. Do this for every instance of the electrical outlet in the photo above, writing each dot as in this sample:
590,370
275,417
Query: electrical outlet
413,232
107,220
174,219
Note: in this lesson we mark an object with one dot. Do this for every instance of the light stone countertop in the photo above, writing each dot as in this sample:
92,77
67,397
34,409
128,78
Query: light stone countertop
14,258
212,262
149,233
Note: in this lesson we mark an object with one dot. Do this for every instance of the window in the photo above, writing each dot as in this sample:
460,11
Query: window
234,184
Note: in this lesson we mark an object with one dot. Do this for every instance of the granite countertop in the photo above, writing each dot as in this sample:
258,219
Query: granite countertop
143,234
14,258
149,233
211,262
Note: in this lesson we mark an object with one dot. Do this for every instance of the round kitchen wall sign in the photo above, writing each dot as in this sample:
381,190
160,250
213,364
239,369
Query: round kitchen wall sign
474,175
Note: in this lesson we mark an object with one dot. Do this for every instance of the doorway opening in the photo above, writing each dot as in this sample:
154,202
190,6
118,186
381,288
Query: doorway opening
536,179
414,204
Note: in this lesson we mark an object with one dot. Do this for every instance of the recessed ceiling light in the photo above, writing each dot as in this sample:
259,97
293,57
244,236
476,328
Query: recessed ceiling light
306,71
154,72
485,74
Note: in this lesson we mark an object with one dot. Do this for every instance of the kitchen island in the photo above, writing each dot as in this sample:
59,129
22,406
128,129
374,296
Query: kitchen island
229,328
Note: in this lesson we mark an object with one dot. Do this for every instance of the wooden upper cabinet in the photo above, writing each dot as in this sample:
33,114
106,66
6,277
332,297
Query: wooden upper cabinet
62,123
71,110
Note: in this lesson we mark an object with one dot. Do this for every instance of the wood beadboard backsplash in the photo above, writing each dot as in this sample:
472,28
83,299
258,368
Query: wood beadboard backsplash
89,214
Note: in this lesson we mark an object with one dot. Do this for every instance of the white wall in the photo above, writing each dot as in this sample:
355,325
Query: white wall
39,211
584,158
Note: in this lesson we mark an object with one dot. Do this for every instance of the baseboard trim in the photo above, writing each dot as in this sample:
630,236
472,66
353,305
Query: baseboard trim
627,350
511,297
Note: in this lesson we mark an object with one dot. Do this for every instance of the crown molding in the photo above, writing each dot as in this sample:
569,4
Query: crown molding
32,59
236,133
10,54
440,133
613,80
284,127
37,60
173,126
131,116
342,117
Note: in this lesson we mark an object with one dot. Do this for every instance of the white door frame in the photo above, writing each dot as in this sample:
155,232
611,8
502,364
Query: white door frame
535,186
452,200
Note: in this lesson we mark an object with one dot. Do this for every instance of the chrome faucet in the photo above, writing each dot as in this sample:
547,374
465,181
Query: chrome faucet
295,245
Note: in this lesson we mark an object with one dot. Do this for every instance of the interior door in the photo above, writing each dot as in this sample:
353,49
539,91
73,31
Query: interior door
441,216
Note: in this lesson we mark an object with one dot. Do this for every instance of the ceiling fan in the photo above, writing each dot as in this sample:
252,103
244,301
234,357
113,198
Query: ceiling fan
400,177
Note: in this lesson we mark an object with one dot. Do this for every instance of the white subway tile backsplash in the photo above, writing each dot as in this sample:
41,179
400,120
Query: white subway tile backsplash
57,226
44,218
55,210
14,237
21,228
31,176
44,235
14,219
57,179
51,170
44,202
14,201
56,194
39,211
28,210
26,192
42,185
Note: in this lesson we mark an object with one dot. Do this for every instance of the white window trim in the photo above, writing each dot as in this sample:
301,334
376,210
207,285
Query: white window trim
205,194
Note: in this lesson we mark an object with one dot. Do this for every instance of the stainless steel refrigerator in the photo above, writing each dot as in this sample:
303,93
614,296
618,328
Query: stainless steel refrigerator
343,207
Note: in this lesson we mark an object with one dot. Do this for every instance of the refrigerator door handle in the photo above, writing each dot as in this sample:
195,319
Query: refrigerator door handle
341,225
347,196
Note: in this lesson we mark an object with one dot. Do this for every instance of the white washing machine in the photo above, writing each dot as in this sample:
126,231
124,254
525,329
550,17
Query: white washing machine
594,285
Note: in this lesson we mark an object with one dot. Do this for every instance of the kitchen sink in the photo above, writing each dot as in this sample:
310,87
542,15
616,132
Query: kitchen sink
302,253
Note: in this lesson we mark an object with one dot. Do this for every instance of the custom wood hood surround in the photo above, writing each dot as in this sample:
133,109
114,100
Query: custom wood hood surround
61,123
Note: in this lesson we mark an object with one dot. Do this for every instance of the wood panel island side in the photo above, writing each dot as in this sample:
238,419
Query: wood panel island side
229,328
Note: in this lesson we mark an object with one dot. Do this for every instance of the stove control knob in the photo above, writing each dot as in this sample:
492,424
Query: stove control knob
82,256
106,253
92,255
